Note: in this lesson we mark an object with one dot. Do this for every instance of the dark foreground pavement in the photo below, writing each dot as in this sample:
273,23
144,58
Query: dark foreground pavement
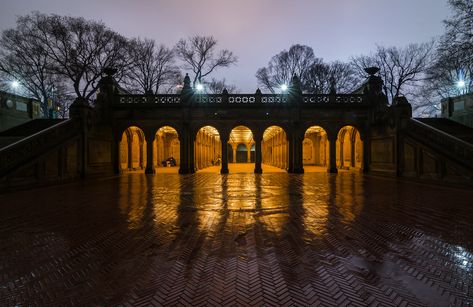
240,239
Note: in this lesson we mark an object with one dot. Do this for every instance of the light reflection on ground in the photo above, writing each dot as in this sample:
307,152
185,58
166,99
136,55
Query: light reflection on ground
241,239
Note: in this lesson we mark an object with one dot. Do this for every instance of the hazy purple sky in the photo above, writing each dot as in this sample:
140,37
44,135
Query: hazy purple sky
255,30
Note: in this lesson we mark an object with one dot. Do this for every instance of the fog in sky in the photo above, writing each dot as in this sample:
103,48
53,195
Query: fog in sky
255,30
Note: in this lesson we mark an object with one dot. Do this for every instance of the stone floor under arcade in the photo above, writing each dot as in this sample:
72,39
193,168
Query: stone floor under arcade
237,240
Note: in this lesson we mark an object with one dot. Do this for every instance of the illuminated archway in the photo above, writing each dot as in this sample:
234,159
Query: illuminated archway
208,149
315,150
166,150
132,150
349,149
241,158
275,148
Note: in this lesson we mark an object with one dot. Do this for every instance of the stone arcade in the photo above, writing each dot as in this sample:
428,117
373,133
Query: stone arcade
295,132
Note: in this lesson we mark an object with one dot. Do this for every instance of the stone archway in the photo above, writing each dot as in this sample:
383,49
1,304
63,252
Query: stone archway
315,150
166,150
132,153
349,149
275,148
241,141
208,149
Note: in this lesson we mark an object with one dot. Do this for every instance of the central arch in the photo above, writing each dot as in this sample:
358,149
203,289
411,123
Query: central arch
241,152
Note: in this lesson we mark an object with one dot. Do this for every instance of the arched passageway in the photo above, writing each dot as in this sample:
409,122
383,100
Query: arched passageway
315,150
241,152
132,155
207,149
166,150
274,149
349,149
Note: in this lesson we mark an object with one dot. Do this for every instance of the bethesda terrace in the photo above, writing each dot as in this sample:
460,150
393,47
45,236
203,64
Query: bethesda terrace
253,199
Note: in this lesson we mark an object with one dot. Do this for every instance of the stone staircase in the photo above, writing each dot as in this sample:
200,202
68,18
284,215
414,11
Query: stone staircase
19,132
450,127
39,151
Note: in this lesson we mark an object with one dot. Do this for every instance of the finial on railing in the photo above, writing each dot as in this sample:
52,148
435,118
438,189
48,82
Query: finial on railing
295,86
225,92
258,91
187,82
371,70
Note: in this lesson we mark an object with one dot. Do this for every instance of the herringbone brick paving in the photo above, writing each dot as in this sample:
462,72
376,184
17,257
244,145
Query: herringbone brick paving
237,240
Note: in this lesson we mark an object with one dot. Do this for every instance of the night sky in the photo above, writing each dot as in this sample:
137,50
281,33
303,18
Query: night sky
255,30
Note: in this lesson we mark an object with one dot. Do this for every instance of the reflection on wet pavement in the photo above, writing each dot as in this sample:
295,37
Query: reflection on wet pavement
238,239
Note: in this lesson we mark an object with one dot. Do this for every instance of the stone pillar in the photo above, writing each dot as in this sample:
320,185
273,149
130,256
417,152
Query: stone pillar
258,138
81,111
116,158
149,153
298,159
224,142
234,148
130,151
332,168
341,153
248,153
290,153
184,167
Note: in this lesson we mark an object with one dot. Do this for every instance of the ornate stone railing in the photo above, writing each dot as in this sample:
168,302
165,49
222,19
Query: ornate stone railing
150,99
28,148
232,99
449,145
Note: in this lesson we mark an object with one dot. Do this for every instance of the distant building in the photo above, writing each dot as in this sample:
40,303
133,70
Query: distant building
459,109
16,110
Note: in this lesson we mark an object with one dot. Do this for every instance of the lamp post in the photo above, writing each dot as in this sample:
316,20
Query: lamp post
461,86
283,88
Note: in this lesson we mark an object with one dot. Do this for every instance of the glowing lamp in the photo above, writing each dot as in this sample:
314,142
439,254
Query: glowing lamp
199,87
15,84
283,87
461,84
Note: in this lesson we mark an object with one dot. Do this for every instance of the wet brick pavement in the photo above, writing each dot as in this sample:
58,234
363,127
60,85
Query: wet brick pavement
239,239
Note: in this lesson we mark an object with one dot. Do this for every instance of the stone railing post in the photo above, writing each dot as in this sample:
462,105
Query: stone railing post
80,110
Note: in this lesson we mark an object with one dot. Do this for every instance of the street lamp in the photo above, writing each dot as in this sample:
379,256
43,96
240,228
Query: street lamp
15,84
284,87
199,87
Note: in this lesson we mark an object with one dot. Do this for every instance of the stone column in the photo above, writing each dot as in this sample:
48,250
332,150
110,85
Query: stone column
332,168
290,153
341,154
224,142
116,157
234,148
130,151
298,159
184,139
149,153
248,153
258,138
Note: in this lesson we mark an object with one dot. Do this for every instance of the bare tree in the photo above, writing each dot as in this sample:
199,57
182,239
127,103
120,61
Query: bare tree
199,54
280,69
316,76
152,69
26,61
452,71
79,49
457,41
402,69
218,86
